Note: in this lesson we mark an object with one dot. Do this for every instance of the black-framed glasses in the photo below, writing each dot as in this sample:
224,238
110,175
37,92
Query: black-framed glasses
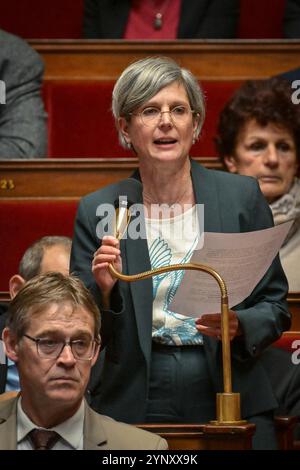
151,116
82,349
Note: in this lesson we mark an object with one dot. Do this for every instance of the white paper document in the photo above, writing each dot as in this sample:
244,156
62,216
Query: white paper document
241,259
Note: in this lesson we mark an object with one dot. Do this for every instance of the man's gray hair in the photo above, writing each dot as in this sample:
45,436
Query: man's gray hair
30,263
143,79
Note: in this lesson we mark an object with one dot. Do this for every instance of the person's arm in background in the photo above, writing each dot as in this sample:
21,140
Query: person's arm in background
23,130
291,23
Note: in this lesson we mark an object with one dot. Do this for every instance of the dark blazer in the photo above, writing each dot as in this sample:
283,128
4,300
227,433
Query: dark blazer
99,433
23,129
119,384
292,19
210,19
291,75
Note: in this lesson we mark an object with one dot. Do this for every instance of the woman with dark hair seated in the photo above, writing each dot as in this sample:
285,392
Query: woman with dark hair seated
259,135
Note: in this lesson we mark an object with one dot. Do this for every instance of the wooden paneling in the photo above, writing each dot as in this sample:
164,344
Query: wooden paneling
204,436
218,437
55,178
208,60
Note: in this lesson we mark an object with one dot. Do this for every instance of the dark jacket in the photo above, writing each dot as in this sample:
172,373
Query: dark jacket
292,19
210,19
119,383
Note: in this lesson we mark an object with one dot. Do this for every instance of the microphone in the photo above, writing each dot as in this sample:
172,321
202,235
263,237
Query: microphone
130,192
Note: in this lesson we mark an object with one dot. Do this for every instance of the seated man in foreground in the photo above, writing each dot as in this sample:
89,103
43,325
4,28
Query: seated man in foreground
49,253
53,337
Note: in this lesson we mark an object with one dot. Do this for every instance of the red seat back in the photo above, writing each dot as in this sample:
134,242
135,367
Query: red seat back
23,222
80,122
261,19
54,19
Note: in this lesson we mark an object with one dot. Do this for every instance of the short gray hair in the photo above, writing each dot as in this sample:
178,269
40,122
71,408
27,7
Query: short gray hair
143,79
30,264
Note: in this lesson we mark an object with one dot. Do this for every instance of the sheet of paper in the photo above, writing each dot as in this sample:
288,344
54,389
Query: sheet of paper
241,259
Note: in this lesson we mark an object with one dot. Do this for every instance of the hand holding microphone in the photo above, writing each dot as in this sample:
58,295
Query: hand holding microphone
129,191
109,252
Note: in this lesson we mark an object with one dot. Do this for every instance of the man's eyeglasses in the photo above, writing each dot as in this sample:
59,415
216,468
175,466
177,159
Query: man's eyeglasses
82,349
151,116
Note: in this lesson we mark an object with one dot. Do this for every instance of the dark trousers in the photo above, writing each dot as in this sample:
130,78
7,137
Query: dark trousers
180,387
181,391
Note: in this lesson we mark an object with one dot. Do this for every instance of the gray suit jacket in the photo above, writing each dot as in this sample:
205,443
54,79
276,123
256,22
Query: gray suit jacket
23,132
100,432
232,204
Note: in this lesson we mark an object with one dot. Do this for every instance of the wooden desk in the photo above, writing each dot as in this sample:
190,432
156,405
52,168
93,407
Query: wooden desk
212,437
207,59
56,178
204,436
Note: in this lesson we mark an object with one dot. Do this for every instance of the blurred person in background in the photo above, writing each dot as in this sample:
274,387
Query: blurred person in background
259,136
23,120
160,19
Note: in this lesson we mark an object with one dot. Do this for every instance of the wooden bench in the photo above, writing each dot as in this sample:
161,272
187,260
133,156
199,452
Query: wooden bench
208,60
65,178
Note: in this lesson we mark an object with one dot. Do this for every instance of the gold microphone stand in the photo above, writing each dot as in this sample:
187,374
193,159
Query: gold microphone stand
228,403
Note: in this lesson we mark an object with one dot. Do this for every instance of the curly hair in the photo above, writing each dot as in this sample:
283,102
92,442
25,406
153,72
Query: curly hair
266,101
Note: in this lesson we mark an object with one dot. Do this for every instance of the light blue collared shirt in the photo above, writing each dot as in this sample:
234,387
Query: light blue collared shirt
12,378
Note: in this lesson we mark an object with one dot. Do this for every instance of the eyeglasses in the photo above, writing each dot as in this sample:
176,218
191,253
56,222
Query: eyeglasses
151,116
82,349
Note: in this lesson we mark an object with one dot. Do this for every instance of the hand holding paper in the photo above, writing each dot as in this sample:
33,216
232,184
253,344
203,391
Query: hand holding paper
241,259
210,325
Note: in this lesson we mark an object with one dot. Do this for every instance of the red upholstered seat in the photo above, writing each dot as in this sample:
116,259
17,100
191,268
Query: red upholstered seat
217,93
23,222
261,19
47,19
63,18
80,121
